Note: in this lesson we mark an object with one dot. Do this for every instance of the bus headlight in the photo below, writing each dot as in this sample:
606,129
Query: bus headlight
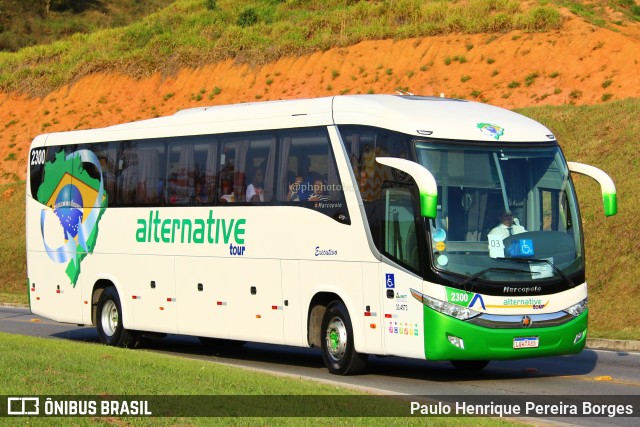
453,310
577,309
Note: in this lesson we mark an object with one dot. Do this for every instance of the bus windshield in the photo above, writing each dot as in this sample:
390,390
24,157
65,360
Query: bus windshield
504,212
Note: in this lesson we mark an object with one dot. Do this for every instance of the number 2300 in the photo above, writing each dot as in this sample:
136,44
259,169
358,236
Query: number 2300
37,157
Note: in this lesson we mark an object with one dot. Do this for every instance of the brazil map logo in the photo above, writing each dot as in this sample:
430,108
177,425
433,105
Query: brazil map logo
78,201
492,131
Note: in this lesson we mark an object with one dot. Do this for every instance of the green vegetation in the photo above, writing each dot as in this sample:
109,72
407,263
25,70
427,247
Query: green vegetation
13,267
575,94
51,367
605,136
597,12
189,33
531,78
31,22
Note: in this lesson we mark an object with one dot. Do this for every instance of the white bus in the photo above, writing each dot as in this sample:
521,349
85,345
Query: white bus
362,225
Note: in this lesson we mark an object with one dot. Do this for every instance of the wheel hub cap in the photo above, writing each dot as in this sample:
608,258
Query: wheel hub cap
110,318
336,338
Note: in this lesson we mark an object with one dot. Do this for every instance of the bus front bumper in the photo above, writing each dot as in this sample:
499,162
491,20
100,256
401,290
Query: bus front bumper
447,338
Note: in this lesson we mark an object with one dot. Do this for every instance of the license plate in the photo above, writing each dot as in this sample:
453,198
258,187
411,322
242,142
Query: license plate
525,342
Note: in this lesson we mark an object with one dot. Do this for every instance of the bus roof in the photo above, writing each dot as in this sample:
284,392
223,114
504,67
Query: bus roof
441,118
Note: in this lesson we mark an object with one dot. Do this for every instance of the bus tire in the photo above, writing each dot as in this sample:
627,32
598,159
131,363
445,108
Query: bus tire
469,365
338,349
109,321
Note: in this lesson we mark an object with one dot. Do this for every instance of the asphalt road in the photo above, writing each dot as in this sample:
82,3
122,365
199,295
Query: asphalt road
596,376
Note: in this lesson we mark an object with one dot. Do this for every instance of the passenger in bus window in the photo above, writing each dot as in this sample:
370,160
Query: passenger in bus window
170,190
320,193
295,189
508,226
227,192
363,181
108,178
201,194
255,192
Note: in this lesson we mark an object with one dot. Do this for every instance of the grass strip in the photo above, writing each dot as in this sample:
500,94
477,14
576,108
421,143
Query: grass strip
52,367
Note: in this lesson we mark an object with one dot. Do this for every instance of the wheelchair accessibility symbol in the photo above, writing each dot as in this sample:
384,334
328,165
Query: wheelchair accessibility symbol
390,281
521,248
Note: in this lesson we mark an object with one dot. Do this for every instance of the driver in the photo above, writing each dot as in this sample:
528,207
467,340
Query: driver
508,226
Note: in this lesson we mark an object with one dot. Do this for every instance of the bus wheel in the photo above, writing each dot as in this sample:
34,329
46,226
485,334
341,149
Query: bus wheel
469,365
109,321
338,350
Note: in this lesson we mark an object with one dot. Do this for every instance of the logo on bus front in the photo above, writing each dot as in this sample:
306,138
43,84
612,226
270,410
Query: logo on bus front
78,201
493,131
476,301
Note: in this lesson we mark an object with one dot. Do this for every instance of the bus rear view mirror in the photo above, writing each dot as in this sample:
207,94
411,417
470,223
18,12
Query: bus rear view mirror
609,198
425,181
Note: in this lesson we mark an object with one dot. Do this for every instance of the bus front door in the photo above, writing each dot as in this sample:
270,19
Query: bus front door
403,316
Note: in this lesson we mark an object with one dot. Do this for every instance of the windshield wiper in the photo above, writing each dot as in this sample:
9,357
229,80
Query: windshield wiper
516,270
486,270
555,268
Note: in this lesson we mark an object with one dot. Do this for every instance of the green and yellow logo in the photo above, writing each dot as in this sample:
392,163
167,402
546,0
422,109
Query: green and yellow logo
78,201
491,130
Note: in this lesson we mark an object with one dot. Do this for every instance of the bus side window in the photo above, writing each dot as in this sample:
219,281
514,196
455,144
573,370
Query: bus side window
139,173
149,185
39,157
306,166
227,171
206,158
181,174
107,153
243,155
260,167
127,173
53,155
235,154
360,144
399,239
364,144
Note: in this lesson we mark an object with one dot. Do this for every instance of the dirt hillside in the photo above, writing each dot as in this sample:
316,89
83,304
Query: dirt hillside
579,64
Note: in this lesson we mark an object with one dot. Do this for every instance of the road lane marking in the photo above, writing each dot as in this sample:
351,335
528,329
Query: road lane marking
603,378
33,320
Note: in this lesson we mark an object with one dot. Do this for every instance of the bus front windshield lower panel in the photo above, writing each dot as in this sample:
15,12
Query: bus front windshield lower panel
504,213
